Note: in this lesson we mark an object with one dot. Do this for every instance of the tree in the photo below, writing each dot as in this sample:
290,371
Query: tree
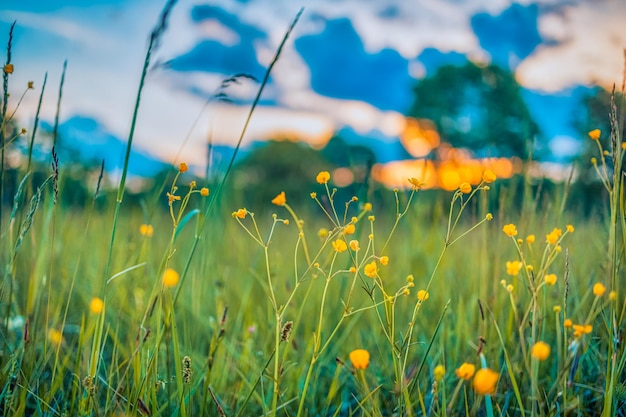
479,108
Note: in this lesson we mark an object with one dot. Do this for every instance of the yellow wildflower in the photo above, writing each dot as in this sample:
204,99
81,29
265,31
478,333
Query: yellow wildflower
570,228
510,230
241,213
96,305
170,278
367,206
550,279
594,134
465,188
371,269
8,69
322,233
55,336
182,167
540,351
339,245
439,372
509,288
567,323
384,260
354,245
489,217
323,177
599,289
485,381
489,176
280,199
513,267
416,184
204,192
360,358
556,309
352,269
553,236
466,371
349,229
31,85
146,230
422,295
613,295
582,329
530,239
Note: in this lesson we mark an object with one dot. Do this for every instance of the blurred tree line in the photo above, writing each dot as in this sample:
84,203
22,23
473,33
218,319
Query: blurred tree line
477,108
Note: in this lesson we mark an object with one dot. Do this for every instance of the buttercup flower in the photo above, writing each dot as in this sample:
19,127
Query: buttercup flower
55,336
582,329
339,245
594,134
599,289
146,230
489,176
567,323
360,358
8,69
349,229
530,239
613,295
182,167
540,351
170,278
439,372
465,188
371,269
384,260
485,381
96,305
280,199
465,371
241,213
204,192
570,228
510,230
513,267
550,279
422,295
553,236
323,177
322,233
415,183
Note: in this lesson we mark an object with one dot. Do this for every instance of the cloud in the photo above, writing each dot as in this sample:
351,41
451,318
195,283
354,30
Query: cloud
588,39
341,68
510,36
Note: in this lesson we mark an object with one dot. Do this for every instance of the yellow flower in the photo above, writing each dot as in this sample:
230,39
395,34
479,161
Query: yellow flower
485,381
624,146
31,85
204,192
580,329
530,239
280,199
489,176
384,260
439,372
567,323
570,228
416,184
192,184
510,230
613,295
489,217
241,213
322,233
513,267
349,229
8,69
553,236
55,336
599,289
352,269
96,305
422,295
170,278
540,351
354,245
465,371
146,230
594,134
339,245
465,188
182,167
410,278
360,358
550,279
371,269
556,309
323,177
509,288
367,207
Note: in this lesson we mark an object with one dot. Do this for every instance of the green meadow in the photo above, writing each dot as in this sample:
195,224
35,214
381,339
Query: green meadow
499,298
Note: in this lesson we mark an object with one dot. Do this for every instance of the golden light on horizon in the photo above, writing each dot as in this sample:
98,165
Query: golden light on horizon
447,175
419,137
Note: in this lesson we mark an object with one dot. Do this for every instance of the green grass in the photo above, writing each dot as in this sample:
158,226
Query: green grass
264,310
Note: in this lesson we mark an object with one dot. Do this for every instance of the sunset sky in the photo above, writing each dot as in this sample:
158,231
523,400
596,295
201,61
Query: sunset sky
348,66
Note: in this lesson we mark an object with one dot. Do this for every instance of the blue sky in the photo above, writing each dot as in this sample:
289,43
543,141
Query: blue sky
349,64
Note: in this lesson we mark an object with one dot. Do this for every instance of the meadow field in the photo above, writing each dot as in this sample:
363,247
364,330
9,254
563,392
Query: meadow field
494,299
